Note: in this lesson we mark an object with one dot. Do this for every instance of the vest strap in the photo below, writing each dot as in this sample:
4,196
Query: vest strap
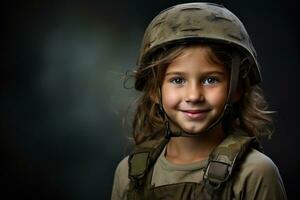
223,159
141,160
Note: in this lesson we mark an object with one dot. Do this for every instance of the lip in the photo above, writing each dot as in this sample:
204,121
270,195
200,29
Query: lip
195,114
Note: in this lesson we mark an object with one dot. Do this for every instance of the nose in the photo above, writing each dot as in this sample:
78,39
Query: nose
194,93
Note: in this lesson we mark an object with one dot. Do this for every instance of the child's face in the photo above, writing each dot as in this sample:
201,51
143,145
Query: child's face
194,90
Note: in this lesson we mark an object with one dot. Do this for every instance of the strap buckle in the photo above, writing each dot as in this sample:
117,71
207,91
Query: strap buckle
217,172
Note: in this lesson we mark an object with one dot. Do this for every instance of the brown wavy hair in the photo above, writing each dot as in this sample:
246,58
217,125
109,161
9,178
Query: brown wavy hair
250,113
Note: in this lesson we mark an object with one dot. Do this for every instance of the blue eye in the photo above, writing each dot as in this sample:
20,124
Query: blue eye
177,81
210,81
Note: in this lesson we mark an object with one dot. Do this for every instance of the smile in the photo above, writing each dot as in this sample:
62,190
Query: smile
195,114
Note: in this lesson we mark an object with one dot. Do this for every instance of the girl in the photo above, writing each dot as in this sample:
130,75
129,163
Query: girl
200,114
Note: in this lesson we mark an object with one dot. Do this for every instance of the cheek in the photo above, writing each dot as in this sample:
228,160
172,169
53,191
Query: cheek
170,97
217,97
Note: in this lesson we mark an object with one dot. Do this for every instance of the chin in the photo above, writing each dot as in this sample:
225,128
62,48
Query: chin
194,130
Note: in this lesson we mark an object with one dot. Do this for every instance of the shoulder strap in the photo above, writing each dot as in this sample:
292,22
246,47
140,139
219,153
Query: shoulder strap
224,158
140,163
142,159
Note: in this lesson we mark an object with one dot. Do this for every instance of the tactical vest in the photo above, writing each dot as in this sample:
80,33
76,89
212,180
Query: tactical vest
216,184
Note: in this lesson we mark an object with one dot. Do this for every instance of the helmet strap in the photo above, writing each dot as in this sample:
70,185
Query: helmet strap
234,76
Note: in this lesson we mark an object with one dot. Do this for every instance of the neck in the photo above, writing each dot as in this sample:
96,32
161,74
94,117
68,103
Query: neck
182,150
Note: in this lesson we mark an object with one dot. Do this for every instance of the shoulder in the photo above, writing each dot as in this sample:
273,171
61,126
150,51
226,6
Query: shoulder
121,180
257,163
122,166
258,176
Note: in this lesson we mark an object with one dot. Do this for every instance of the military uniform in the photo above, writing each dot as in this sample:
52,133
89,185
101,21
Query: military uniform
255,176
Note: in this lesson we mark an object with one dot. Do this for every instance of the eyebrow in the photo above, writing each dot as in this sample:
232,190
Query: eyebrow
202,74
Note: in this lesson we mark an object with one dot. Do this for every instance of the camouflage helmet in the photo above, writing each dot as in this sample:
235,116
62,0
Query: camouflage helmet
202,22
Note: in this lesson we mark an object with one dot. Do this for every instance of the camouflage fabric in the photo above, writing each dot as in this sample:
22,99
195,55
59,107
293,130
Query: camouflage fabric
203,22
216,184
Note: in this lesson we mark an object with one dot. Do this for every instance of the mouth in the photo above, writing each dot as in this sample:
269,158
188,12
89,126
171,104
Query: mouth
195,114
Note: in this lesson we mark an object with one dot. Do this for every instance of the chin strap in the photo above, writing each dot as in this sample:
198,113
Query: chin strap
234,76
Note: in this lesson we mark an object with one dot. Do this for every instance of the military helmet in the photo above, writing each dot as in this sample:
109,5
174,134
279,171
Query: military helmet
197,22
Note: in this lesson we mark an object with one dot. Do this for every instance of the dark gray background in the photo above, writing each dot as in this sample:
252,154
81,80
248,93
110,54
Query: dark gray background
62,96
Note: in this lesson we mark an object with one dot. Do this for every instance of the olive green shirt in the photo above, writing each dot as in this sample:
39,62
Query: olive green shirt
256,178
